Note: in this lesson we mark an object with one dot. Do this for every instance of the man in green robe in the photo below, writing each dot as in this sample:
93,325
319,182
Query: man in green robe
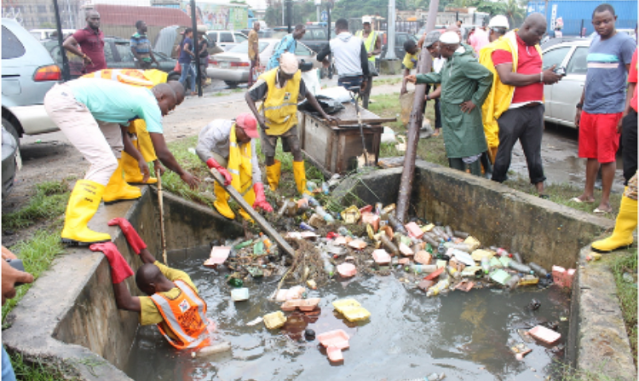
465,84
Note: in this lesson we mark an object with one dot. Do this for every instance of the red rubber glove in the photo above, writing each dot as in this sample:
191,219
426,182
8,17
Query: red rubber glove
132,236
260,199
120,269
223,171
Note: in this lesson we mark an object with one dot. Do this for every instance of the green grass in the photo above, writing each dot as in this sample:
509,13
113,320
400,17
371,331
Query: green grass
49,202
627,293
387,81
36,254
35,371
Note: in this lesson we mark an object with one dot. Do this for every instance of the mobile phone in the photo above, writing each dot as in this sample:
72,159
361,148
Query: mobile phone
560,71
16,264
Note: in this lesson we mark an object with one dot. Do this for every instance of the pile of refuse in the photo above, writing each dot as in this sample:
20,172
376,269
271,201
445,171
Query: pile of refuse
331,246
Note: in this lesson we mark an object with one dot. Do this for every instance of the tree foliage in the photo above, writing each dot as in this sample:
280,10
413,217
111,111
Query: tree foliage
301,13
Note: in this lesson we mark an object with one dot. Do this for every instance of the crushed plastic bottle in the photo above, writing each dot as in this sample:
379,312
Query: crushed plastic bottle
439,287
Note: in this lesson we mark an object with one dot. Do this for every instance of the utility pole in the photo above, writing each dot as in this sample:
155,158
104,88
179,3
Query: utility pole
198,74
390,50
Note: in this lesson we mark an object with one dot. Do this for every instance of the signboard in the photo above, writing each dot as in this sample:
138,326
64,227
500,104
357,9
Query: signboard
218,16
324,16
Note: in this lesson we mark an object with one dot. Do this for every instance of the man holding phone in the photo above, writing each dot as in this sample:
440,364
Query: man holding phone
11,278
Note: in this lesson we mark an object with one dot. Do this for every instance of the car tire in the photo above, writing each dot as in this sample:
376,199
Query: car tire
231,84
12,129
173,77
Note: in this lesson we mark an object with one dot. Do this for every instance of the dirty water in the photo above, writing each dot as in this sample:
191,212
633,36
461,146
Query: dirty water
467,336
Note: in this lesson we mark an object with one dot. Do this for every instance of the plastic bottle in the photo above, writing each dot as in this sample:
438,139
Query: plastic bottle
325,188
344,232
425,269
379,208
441,250
517,257
436,289
448,231
431,241
501,252
328,266
389,245
453,272
397,226
513,282
462,235
311,200
520,267
461,247
429,248
212,349
322,213
305,226
538,269
485,265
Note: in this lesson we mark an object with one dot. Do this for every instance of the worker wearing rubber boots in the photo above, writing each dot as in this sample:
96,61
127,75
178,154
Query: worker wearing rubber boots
280,90
139,138
626,223
173,302
227,146
89,112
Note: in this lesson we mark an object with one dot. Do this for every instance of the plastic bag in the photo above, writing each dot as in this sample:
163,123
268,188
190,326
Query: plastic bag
329,105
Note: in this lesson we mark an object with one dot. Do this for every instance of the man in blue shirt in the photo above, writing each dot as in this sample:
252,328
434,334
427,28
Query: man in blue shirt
141,47
599,112
288,44
89,112
186,58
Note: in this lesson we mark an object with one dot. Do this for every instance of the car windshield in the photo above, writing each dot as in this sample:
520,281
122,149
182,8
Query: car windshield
243,47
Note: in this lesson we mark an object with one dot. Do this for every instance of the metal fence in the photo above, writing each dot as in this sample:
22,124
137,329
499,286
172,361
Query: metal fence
52,21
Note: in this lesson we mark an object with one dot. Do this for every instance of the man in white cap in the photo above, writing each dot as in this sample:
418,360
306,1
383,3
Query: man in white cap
373,47
515,101
280,90
465,84
227,146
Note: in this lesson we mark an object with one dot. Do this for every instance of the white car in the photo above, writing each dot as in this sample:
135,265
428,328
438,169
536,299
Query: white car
225,39
561,98
233,66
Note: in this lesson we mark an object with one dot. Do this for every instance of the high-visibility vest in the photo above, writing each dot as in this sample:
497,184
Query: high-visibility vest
369,43
135,77
185,316
500,97
280,105
239,163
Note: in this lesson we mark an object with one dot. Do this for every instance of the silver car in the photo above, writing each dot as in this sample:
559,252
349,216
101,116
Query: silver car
561,98
233,66
28,72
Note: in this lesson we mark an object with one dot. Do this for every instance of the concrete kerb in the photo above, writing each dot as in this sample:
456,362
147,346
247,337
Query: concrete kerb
598,341
69,318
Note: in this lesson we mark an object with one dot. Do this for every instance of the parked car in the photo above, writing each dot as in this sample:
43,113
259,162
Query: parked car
117,52
28,72
316,37
233,66
226,39
10,160
263,33
562,97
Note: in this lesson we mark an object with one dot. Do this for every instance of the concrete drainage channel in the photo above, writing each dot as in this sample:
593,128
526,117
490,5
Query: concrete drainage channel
69,318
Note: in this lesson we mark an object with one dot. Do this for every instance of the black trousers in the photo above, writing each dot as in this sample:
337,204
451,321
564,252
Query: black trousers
629,143
524,124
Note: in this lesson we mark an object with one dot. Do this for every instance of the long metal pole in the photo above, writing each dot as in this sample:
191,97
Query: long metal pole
416,117
66,74
329,5
161,205
390,45
196,50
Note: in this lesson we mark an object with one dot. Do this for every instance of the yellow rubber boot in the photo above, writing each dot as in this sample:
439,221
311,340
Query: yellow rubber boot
118,190
132,173
300,176
492,152
249,197
83,203
273,173
622,235
222,202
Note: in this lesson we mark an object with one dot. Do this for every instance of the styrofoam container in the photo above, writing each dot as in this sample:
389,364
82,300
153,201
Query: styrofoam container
240,294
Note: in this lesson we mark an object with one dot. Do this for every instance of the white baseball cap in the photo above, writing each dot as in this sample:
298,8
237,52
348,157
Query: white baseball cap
366,19
499,21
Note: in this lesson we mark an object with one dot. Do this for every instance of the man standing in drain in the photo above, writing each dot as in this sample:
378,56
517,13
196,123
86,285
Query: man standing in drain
280,90
227,146
173,304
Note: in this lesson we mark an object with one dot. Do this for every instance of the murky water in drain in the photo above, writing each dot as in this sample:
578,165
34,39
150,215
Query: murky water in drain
465,335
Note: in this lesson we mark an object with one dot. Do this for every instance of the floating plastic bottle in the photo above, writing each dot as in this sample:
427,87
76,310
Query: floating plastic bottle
439,287
538,269
322,213
520,267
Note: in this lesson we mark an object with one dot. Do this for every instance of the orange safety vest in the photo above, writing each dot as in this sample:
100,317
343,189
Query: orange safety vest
185,316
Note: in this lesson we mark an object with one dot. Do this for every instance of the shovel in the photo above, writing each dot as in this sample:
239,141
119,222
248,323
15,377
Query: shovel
355,95
270,231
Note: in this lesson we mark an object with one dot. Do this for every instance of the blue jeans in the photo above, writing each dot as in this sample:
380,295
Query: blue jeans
348,82
7,369
188,68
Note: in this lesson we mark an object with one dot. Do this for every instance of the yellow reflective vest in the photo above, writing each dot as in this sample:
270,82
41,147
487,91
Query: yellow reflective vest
280,105
369,43
239,166
501,95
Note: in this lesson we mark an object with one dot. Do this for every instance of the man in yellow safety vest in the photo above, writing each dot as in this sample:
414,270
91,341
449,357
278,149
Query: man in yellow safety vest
279,89
373,45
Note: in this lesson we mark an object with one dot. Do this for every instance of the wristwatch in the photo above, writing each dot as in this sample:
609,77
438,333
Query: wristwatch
580,105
